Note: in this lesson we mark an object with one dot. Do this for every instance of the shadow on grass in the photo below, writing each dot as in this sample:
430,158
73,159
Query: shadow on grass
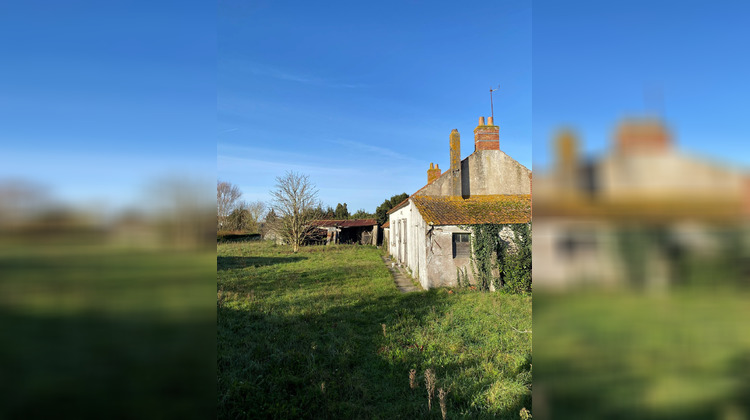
237,237
231,263
590,360
335,363
86,366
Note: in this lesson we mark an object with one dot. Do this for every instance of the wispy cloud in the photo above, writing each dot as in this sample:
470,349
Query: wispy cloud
370,148
250,165
283,74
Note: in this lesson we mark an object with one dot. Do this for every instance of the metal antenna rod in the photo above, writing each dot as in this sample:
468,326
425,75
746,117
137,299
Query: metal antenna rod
492,107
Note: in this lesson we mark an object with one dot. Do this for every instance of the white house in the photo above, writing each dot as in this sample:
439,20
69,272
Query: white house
586,207
426,231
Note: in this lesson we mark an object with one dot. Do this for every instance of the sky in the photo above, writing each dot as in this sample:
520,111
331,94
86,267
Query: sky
596,63
101,100
362,96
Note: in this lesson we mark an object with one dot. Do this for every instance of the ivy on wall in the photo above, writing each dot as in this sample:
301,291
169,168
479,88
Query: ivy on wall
485,243
505,265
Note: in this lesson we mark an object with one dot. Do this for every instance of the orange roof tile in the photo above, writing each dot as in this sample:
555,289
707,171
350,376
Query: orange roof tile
497,209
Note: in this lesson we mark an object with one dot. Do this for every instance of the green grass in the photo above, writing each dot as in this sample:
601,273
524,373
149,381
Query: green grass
685,355
301,336
95,332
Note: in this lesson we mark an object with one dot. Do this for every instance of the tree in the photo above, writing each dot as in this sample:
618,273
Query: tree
381,213
271,217
227,195
270,222
256,209
361,214
240,219
245,216
294,201
341,211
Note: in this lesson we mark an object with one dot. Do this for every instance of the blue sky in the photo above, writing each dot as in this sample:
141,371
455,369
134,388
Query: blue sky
101,99
362,96
685,61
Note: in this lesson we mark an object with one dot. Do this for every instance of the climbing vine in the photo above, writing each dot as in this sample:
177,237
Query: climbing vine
485,243
506,265
515,272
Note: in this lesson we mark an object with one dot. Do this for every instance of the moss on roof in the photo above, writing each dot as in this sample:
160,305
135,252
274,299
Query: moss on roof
499,209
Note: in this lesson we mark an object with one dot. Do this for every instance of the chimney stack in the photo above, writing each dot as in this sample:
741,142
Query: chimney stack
642,137
433,173
486,137
455,144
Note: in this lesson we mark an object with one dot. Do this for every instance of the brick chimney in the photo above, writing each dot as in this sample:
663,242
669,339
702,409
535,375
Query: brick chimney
486,136
455,143
433,173
642,137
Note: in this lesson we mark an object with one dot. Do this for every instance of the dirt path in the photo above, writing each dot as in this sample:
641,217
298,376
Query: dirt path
400,278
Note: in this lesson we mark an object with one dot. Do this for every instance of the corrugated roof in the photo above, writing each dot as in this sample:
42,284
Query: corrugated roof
496,209
345,223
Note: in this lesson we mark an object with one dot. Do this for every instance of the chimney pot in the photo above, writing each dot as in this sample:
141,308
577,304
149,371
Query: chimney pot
433,173
490,121
486,136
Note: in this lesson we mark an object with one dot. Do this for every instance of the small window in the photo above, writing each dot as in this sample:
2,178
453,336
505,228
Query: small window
461,245
571,243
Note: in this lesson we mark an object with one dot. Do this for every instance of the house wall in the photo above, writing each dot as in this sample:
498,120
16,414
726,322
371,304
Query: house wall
427,251
441,187
399,235
575,253
491,172
442,268
666,174
407,243
484,172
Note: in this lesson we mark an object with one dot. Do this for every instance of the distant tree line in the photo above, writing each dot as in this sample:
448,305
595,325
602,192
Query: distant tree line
341,212
234,214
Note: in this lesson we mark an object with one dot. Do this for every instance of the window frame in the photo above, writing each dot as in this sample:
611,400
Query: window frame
461,248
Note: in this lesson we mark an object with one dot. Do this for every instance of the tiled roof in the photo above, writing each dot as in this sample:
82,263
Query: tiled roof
387,224
497,209
345,223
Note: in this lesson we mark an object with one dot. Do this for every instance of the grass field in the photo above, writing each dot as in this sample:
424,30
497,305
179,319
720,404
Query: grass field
683,355
97,332
324,333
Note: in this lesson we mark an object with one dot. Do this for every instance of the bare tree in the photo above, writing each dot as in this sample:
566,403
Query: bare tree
227,195
294,200
257,209
245,216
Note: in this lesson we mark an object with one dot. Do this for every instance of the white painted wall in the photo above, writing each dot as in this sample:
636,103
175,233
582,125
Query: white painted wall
408,241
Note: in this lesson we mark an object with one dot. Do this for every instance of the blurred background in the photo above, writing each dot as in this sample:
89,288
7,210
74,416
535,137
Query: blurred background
107,258
641,210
